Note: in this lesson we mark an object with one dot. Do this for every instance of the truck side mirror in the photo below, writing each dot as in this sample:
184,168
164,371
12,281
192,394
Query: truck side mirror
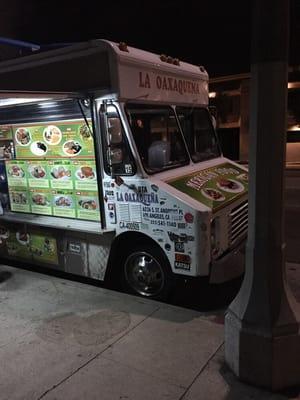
213,115
214,121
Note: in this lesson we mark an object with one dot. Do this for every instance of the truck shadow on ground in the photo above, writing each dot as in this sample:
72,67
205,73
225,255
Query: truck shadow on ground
201,296
197,295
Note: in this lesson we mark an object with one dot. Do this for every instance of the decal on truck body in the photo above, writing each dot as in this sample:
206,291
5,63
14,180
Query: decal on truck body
214,187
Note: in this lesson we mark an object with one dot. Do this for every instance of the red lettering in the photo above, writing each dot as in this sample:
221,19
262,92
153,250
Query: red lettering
158,82
180,86
170,80
165,86
172,84
141,84
175,85
147,81
144,83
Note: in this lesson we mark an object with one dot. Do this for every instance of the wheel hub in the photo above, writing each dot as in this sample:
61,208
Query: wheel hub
144,274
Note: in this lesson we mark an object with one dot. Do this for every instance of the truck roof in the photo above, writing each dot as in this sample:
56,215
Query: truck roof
100,67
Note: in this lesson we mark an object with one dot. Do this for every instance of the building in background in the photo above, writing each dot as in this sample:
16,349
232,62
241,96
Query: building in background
230,95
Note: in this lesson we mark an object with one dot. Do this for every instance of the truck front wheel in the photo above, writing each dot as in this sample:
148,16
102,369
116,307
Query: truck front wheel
146,272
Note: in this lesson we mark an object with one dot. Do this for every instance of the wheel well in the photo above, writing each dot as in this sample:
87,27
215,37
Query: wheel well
122,242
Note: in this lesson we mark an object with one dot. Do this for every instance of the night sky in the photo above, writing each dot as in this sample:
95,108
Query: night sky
215,33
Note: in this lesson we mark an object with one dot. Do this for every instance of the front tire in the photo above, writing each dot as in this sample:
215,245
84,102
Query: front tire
146,272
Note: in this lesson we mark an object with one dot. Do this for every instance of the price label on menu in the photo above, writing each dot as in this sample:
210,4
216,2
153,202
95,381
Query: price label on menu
85,175
16,173
87,205
38,174
61,174
64,203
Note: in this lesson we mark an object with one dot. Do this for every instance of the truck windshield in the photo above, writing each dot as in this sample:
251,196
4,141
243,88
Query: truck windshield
157,137
199,133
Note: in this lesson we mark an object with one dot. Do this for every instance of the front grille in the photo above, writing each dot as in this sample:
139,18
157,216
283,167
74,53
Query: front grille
238,223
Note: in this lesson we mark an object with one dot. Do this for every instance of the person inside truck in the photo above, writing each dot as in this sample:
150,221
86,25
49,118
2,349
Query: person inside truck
141,139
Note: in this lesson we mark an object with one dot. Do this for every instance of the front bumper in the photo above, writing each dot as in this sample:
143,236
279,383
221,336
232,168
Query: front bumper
229,266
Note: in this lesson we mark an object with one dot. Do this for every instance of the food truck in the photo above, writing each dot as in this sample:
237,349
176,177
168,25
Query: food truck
114,170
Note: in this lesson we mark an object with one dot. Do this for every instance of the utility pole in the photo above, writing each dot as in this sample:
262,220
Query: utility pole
262,342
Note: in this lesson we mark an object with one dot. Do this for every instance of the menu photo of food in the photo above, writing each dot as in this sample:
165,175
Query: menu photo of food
85,175
87,204
39,149
212,194
19,200
29,142
64,203
61,174
23,136
16,173
85,132
18,244
38,174
34,246
52,135
230,185
41,201
44,249
72,148
243,177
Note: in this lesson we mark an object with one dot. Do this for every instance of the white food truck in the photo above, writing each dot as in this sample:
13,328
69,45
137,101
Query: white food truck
114,169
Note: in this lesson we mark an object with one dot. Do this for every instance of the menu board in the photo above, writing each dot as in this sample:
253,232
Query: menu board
64,203
40,201
87,205
55,170
61,174
85,175
30,246
16,173
37,174
19,199
68,139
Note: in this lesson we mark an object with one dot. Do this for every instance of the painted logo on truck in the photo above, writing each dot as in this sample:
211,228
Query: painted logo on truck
215,186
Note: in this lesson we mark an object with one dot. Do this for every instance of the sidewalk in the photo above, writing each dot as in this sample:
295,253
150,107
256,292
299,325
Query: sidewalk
65,340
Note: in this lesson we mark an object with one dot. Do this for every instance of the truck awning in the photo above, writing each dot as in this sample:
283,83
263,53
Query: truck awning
84,67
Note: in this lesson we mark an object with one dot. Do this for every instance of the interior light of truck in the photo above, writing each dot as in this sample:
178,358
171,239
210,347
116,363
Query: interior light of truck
48,104
111,109
86,102
212,95
18,100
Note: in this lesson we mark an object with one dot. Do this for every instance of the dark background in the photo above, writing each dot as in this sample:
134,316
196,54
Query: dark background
215,33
